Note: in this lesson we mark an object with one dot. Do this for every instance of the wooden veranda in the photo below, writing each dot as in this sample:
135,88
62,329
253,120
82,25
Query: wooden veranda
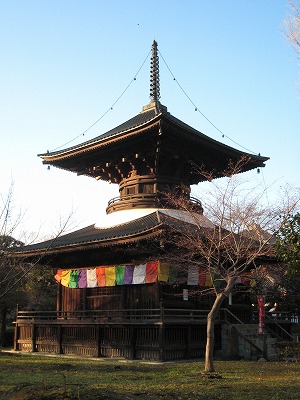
160,334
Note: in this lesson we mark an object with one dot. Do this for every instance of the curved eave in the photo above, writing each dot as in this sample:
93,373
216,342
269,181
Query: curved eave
196,136
88,245
70,159
101,141
92,237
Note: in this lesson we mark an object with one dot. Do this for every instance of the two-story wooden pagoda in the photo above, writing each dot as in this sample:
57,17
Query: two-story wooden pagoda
116,297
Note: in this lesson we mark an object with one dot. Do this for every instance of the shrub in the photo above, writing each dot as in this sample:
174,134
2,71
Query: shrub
289,351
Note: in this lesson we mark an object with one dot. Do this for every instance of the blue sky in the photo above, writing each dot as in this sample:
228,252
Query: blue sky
64,63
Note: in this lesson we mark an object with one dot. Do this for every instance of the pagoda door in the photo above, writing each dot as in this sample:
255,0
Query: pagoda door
106,298
141,296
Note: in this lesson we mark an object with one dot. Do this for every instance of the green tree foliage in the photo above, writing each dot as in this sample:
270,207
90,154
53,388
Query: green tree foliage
10,272
22,285
288,251
40,288
290,301
288,243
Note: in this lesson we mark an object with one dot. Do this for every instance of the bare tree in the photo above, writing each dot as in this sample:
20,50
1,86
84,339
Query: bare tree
9,221
14,271
292,26
234,236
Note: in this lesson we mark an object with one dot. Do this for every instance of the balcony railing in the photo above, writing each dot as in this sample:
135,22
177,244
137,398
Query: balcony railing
133,197
126,315
145,200
155,314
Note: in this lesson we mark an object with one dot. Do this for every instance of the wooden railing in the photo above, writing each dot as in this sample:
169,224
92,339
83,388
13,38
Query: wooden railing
146,199
89,315
133,197
155,314
134,315
183,314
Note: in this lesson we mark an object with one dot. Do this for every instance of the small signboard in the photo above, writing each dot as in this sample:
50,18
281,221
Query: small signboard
185,294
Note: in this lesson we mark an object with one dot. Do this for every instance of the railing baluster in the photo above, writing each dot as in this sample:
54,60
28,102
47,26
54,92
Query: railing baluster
163,314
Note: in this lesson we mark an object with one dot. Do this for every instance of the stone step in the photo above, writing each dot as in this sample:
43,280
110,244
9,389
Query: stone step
240,342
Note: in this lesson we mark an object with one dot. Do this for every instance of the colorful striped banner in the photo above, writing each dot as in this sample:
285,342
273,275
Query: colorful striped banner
139,274
58,275
73,283
128,276
120,273
91,278
65,277
151,272
82,278
101,278
110,275
163,271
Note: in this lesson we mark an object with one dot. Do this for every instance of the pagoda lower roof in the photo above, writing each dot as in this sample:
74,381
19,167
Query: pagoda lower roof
91,237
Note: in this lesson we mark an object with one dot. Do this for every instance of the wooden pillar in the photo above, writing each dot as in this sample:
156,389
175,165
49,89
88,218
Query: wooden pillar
161,334
161,307
59,299
98,340
84,297
16,337
132,342
188,341
33,338
59,339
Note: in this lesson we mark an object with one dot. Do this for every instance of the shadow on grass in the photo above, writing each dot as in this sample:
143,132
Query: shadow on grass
36,377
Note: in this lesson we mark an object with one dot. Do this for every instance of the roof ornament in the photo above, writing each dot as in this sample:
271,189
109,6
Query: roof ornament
154,74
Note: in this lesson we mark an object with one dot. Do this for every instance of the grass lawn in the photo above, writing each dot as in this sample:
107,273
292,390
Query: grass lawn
36,377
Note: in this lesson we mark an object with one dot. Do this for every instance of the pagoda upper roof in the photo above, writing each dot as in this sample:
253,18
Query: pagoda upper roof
153,142
202,150
134,123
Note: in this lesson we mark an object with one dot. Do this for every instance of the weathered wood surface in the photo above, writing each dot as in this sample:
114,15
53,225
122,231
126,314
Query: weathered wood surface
151,342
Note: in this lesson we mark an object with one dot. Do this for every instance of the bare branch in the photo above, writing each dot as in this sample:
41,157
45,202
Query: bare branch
292,26
234,235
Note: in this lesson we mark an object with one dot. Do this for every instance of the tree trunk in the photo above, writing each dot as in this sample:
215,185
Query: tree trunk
211,317
210,329
3,325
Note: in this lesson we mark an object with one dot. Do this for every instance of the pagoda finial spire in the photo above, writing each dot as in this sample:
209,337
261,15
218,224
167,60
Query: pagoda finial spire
154,74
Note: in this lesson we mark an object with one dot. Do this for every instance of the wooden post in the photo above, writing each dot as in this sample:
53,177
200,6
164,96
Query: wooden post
59,300
161,312
188,341
265,349
132,343
33,338
16,337
98,339
59,339
161,342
